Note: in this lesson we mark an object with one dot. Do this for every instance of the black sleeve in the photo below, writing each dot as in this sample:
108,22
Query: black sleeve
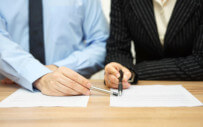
119,42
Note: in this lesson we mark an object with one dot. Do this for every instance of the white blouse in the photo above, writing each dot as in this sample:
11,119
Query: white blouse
163,10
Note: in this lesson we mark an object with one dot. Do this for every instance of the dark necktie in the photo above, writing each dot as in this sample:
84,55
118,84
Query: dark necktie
36,30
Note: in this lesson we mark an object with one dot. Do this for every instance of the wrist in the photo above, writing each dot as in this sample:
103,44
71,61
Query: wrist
36,84
52,67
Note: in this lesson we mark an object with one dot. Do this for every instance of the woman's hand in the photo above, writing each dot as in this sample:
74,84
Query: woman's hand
112,75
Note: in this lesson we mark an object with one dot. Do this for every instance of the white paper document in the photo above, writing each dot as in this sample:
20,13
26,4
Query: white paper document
24,98
155,96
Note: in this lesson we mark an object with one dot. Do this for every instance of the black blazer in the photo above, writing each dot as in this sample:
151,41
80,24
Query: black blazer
181,57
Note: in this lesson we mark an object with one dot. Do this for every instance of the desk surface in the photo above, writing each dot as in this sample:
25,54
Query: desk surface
99,114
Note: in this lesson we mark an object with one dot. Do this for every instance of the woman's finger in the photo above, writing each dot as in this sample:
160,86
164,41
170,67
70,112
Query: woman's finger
127,74
112,69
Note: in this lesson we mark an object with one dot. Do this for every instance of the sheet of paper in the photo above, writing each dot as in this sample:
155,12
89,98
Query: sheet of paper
24,98
155,96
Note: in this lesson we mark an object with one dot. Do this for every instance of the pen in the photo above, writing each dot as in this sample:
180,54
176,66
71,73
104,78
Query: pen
103,91
120,86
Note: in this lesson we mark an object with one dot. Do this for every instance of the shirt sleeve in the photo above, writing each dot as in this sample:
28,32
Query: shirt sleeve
17,64
96,31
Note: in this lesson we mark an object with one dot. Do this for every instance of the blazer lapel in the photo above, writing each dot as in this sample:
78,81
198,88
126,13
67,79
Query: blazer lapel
181,13
145,11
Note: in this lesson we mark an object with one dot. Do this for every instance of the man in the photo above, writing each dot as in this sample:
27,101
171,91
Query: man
66,39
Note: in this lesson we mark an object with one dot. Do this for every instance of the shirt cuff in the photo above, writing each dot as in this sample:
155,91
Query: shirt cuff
31,72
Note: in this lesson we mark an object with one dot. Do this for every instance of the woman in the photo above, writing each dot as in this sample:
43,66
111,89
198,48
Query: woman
168,39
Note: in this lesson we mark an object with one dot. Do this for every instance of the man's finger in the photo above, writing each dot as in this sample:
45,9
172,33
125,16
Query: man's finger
75,77
74,85
54,92
66,90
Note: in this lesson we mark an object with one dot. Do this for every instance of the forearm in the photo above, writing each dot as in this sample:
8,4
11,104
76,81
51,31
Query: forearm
18,65
187,68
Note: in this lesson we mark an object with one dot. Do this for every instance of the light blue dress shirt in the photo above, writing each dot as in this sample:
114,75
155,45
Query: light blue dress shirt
75,33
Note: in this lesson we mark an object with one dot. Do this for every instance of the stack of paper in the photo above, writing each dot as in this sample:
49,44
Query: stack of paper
24,98
155,96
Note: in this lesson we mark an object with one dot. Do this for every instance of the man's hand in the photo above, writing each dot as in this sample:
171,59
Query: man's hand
63,82
112,75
